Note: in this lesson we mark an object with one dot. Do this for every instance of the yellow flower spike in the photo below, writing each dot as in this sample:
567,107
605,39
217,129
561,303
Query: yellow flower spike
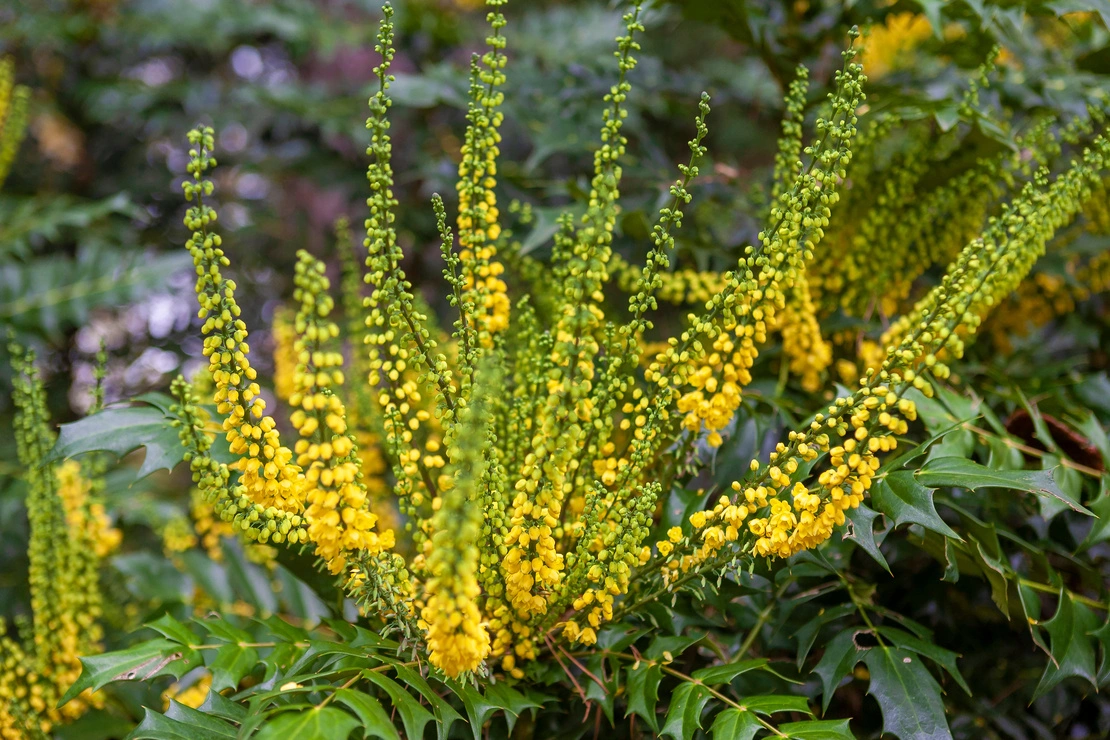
266,471
457,640
285,358
338,515
66,533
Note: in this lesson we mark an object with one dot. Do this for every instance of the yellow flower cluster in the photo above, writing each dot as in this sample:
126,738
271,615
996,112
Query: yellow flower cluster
83,514
13,116
714,387
338,512
191,696
528,449
284,356
890,46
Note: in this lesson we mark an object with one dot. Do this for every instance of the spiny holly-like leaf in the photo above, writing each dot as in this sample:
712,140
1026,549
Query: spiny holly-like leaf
514,702
312,723
959,472
821,729
673,644
172,629
719,674
478,708
902,498
413,714
1100,528
946,659
157,726
120,430
862,531
232,662
841,656
1102,634
907,693
198,719
642,686
139,663
602,692
734,724
445,714
807,633
772,703
219,705
375,720
1072,651
996,572
684,716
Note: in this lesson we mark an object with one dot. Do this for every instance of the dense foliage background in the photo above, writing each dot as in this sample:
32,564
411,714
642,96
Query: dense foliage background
1007,610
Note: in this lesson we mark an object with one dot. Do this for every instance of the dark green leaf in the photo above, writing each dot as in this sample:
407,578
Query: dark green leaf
862,531
959,472
675,645
157,726
642,686
231,664
172,629
1072,652
719,674
198,719
946,659
413,714
219,705
734,724
907,693
684,715
902,498
841,656
951,568
224,630
478,708
327,723
1100,527
375,720
772,703
1102,634
121,430
807,633
996,573
139,663
821,729
445,714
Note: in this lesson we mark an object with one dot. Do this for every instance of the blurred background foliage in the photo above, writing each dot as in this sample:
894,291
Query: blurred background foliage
90,251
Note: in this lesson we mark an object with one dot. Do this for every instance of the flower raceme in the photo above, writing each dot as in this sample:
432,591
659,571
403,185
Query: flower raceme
529,443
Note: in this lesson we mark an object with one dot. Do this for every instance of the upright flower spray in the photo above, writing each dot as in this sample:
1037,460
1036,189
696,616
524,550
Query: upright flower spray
528,444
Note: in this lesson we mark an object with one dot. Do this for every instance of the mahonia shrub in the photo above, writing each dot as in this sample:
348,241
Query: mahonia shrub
514,505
